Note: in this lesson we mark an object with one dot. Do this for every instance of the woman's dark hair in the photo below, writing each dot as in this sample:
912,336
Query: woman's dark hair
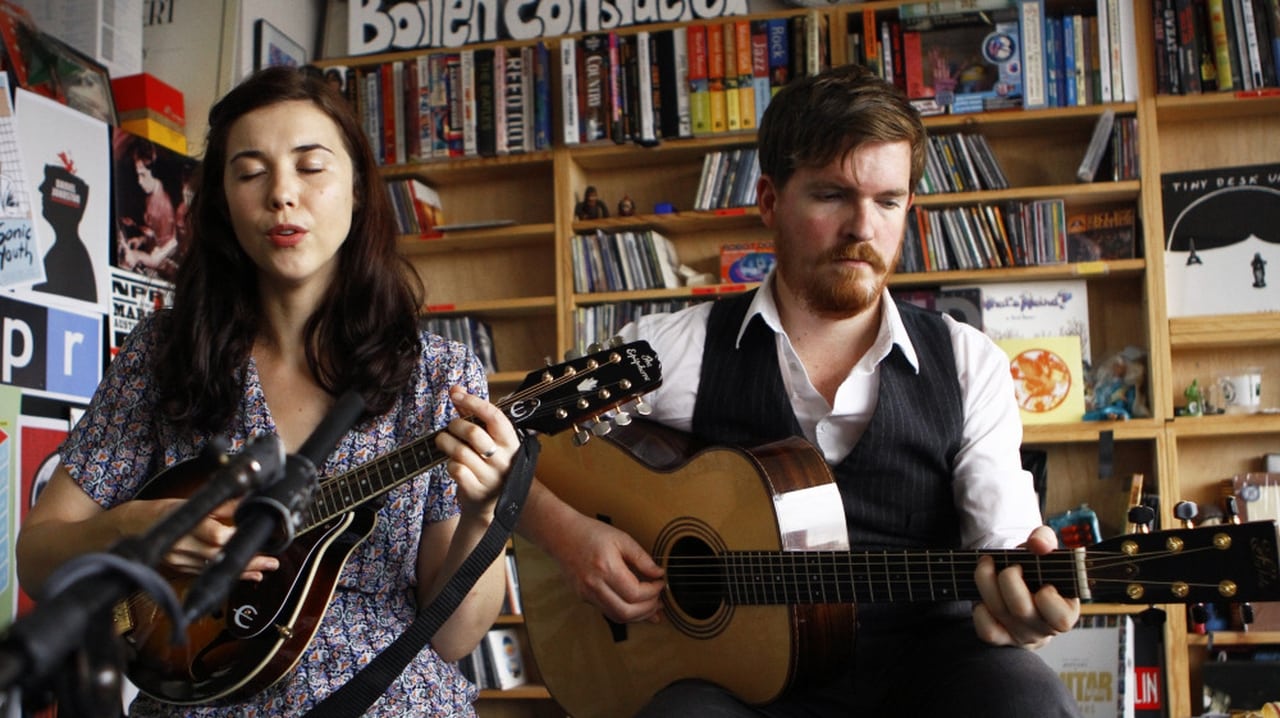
362,337
817,119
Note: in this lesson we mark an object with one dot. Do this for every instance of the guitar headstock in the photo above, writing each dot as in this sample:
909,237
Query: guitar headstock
583,388
1230,562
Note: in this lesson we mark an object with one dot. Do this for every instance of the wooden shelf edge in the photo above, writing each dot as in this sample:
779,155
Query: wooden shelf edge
526,692
1224,330
1084,193
513,236
1191,427
1077,270
1234,638
496,307
1088,431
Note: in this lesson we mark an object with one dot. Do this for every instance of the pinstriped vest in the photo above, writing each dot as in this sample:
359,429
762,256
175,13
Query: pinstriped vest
896,483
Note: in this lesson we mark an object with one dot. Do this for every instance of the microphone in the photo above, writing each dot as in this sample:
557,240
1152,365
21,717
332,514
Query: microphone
267,520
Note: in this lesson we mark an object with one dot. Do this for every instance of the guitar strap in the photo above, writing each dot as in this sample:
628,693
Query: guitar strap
354,698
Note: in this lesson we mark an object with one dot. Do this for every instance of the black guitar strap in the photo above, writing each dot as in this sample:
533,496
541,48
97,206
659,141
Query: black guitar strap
354,698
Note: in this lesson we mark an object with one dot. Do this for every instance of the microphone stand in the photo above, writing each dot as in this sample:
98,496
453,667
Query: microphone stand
75,620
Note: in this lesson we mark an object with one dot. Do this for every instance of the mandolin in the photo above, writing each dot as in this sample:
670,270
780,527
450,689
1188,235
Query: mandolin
263,628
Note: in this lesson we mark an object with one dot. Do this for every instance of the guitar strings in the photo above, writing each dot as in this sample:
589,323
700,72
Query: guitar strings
742,575
336,494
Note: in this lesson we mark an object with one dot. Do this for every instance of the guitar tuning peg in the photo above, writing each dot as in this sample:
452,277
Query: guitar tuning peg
594,347
570,355
642,408
615,341
1142,517
1232,508
602,428
1246,615
1186,512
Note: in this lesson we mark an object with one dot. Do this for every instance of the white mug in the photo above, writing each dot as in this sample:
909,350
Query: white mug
1241,392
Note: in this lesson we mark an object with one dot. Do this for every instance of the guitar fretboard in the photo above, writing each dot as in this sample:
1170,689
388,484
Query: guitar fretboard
814,577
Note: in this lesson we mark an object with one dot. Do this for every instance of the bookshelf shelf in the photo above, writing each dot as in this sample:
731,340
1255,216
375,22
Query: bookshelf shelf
1224,331
1082,194
1234,638
1119,268
1237,425
679,222
1216,106
513,236
1084,432
527,692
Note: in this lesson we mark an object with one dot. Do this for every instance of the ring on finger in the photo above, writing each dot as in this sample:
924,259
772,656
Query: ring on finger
486,455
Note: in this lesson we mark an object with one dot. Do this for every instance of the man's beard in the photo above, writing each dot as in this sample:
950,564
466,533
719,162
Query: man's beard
832,292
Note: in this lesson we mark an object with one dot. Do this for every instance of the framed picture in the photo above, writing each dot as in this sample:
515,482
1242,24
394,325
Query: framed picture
41,63
272,48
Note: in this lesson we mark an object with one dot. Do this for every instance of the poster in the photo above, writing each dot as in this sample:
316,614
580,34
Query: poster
66,161
1222,233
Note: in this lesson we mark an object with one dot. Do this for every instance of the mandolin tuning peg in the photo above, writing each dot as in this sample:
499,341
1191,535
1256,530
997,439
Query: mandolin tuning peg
642,408
621,418
580,436
602,428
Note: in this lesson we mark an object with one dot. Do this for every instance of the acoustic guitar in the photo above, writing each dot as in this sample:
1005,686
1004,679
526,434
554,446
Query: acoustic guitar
263,628
761,586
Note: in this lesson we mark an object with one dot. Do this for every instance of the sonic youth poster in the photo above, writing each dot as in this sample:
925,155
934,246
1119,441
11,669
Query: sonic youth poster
1222,244
66,161
18,248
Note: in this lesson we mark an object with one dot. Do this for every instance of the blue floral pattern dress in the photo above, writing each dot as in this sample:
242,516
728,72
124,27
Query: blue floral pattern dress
117,445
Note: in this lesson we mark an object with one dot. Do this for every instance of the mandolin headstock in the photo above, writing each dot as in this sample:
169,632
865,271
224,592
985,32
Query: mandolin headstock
583,388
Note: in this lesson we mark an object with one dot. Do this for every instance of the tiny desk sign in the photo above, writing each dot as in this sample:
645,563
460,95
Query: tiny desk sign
1222,232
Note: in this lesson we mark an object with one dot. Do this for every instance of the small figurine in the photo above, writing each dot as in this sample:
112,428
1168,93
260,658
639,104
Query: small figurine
1117,390
626,206
1195,399
590,207
1259,266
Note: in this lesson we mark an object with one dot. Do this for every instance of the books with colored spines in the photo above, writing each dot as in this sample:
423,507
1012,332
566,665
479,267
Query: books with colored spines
699,83
542,96
671,56
571,120
594,87
746,74
717,82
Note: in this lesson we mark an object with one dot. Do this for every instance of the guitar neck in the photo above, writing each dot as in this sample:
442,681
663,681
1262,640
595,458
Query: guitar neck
815,577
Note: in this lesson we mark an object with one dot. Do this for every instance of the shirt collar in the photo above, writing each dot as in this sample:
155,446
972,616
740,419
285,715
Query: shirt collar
892,330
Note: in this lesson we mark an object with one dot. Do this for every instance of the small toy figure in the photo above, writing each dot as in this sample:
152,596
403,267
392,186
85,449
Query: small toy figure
626,206
1259,266
590,207
1117,391
1195,399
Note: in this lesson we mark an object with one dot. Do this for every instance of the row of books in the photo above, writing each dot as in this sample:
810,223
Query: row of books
1216,45
728,179
472,102
960,162
1078,58
695,80
1014,234
597,323
1113,149
417,206
497,663
623,261
474,333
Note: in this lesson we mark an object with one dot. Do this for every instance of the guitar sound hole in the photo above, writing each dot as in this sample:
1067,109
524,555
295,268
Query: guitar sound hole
695,577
